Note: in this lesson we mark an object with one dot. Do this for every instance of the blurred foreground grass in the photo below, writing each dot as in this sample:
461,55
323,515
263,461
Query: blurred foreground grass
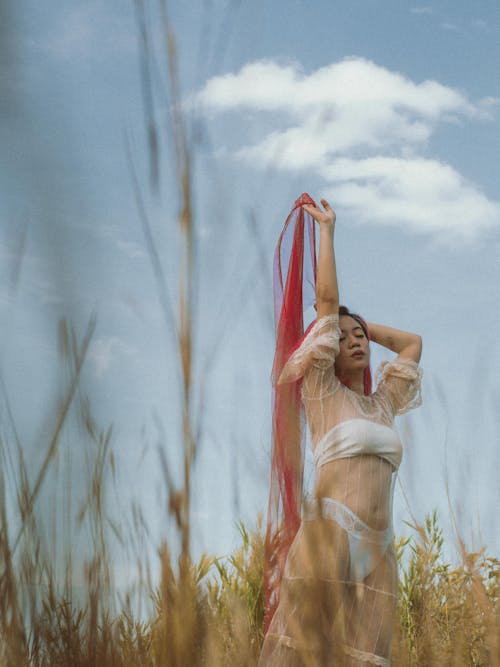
211,612
204,613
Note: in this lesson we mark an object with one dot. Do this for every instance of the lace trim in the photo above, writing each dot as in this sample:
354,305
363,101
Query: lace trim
348,520
367,657
404,369
401,368
319,348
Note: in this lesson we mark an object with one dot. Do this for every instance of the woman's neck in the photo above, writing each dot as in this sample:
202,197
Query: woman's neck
355,382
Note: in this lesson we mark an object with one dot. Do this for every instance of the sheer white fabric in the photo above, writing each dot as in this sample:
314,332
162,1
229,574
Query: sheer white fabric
338,593
328,402
359,436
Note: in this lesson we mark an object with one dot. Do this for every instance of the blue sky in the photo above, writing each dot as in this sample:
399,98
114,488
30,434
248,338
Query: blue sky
389,109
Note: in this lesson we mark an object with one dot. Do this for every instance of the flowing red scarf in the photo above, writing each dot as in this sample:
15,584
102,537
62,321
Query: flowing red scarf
294,292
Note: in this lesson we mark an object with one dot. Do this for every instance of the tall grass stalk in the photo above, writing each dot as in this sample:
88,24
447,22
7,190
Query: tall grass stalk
205,613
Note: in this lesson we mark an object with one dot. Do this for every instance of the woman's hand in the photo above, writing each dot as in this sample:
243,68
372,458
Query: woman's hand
326,217
327,291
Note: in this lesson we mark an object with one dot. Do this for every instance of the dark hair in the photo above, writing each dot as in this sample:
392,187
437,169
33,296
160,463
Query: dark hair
344,310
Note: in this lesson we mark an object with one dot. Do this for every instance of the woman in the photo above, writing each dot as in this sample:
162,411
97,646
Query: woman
335,600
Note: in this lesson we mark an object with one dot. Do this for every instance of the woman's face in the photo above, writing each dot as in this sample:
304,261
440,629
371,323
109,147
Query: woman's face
354,352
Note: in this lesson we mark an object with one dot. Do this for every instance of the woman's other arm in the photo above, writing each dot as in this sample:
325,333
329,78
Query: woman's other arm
327,292
406,345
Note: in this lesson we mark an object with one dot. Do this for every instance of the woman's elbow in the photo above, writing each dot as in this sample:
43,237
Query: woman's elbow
414,348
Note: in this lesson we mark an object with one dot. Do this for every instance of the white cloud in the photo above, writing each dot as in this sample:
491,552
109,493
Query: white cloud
103,351
487,107
349,105
308,144
262,85
420,194
347,85
364,129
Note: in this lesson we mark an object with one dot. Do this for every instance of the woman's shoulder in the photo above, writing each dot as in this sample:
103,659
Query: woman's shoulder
321,383
317,349
399,384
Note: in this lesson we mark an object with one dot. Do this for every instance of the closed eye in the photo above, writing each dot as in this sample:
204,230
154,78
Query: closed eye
355,335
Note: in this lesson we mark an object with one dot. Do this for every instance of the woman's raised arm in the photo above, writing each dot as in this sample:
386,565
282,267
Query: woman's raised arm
327,291
406,345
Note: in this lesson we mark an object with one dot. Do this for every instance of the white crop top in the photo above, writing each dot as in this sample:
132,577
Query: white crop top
342,422
359,436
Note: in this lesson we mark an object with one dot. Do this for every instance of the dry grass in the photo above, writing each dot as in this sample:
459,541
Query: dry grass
448,615
210,612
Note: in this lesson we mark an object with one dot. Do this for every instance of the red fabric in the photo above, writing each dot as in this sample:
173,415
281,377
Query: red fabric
294,291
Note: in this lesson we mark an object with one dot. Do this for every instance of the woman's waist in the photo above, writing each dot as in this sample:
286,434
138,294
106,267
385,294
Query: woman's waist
332,509
362,483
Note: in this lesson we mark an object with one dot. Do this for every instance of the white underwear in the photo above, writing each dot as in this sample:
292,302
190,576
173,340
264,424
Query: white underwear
366,545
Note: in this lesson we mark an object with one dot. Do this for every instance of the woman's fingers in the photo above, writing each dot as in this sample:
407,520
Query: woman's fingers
328,215
311,209
329,212
316,213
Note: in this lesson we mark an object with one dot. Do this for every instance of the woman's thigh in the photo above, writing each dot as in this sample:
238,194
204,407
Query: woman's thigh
370,608
312,592
320,551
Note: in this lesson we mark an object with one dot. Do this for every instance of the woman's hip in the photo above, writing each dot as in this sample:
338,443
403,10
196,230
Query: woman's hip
358,546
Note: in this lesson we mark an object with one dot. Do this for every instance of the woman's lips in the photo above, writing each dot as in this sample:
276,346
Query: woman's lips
357,355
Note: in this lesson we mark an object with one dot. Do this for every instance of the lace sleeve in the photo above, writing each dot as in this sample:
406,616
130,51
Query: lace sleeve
318,349
400,381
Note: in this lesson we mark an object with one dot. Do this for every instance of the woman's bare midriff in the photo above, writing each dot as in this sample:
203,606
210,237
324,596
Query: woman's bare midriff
362,483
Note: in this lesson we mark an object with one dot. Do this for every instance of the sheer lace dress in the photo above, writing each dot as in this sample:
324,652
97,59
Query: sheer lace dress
338,592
